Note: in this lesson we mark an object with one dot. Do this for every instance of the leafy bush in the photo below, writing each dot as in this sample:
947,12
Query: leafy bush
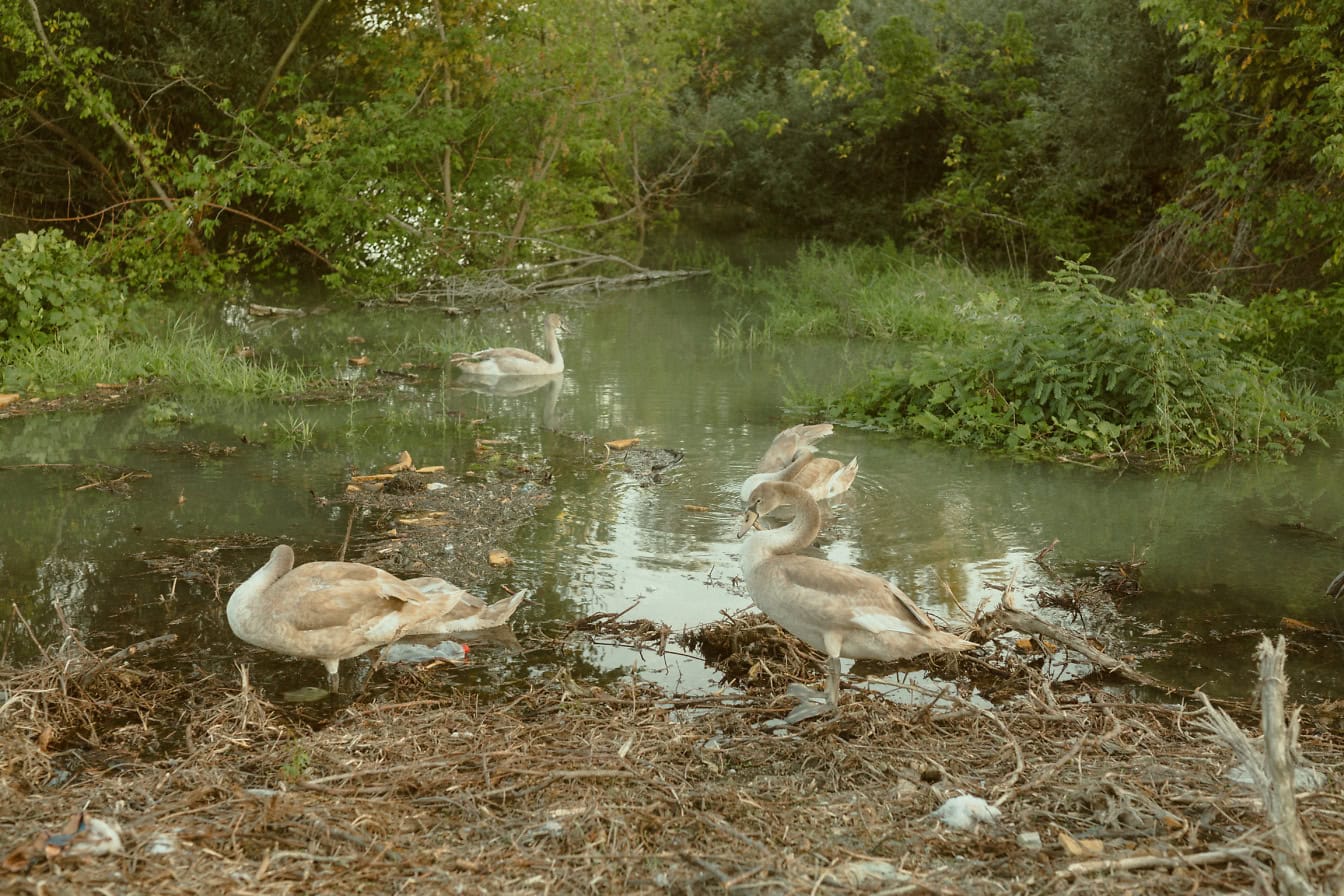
1302,330
49,286
1143,378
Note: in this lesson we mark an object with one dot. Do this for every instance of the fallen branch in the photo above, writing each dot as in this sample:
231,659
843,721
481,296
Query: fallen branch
1137,863
124,654
1010,616
1292,855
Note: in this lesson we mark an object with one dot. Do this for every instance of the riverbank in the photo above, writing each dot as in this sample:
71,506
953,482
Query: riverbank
550,784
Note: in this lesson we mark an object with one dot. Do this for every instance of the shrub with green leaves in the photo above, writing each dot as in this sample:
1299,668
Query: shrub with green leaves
1302,330
1143,378
49,286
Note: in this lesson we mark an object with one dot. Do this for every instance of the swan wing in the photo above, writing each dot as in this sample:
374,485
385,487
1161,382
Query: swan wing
835,593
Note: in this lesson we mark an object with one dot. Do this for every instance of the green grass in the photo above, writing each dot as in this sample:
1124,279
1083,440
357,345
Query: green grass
183,357
873,292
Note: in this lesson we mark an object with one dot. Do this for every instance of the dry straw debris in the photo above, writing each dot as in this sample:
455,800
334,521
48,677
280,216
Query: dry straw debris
551,785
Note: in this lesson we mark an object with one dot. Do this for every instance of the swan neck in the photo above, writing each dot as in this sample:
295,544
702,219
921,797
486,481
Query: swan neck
800,532
553,345
259,581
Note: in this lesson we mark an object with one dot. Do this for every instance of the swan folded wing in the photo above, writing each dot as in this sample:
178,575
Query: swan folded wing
503,359
816,472
871,601
350,608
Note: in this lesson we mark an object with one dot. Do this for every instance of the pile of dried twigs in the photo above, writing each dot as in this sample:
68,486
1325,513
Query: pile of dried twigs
547,784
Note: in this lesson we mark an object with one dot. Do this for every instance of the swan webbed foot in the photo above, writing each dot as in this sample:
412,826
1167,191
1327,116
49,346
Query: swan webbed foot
810,704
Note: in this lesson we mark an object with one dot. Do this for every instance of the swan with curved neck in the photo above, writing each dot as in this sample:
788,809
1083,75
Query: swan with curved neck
493,362
822,477
330,611
839,610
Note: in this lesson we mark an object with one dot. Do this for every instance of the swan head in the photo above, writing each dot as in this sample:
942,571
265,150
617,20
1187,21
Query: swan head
767,497
557,324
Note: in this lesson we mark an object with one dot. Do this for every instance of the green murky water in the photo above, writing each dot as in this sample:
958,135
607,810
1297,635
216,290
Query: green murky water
1226,552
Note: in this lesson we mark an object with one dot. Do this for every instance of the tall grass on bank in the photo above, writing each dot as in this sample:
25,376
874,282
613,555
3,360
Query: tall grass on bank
872,292
181,357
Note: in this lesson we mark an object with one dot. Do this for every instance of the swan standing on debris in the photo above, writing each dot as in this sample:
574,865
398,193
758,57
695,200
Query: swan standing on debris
330,611
822,477
515,361
837,609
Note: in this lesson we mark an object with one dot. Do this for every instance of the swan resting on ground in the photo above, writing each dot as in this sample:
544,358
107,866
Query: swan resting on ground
840,610
330,611
786,445
493,362
822,477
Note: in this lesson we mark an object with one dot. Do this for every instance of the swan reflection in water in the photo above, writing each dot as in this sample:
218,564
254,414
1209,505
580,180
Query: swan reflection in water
513,386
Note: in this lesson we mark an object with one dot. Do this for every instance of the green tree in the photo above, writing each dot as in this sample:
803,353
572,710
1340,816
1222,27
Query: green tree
383,142
1261,96
998,134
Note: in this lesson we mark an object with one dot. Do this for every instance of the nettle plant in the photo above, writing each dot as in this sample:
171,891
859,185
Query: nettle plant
49,286
1142,378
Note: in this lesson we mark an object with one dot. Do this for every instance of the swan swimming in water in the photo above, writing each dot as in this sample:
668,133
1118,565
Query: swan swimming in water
837,609
822,477
492,362
330,611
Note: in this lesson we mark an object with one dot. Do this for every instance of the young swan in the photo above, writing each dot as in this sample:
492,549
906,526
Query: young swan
330,611
837,609
788,443
515,361
822,477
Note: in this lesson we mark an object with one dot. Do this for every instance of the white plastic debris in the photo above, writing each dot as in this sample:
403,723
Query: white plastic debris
412,652
965,812
95,838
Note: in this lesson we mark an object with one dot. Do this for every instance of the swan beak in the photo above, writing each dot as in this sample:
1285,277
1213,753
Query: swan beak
750,521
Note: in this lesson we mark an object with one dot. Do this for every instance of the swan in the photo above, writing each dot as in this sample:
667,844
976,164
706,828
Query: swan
493,362
840,610
1336,588
787,444
330,611
822,477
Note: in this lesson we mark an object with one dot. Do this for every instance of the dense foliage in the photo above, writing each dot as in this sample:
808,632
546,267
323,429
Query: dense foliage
1003,135
391,143
49,285
1261,97
1065,370
380,142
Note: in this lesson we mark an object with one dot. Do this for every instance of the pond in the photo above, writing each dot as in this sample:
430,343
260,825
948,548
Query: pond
1226,553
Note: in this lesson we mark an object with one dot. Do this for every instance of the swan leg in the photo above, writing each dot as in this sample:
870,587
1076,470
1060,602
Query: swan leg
333,675
833,680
